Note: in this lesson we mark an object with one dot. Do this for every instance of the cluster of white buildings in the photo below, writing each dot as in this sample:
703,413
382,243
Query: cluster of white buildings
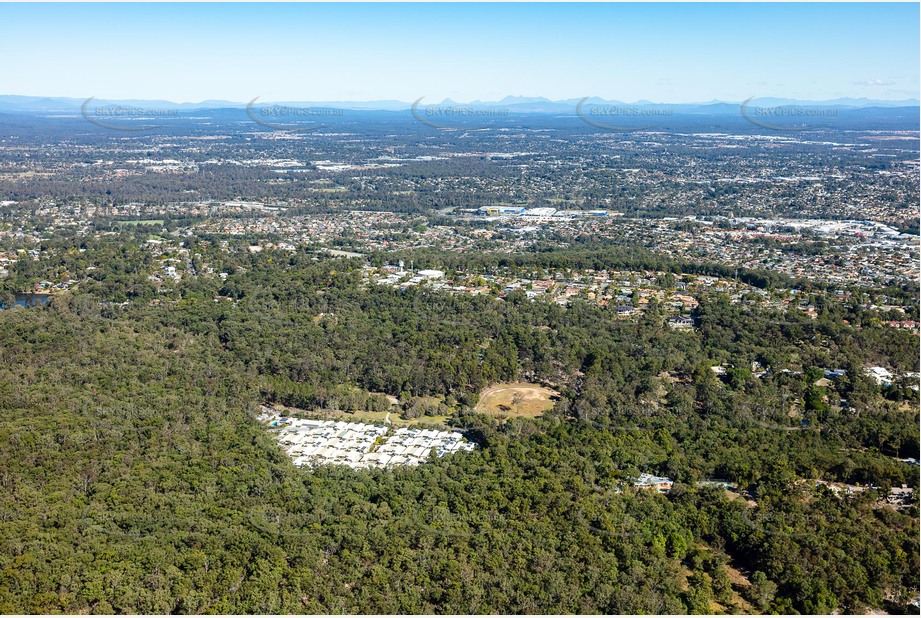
358,445
310,442
414,445
538,214
398,277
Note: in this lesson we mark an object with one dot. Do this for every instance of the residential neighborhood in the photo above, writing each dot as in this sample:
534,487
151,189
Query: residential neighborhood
313,443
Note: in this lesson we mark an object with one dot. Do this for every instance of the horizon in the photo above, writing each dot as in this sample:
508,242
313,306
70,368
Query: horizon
673,54
508,100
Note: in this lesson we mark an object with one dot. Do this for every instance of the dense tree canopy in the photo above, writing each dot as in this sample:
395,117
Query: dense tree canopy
136,478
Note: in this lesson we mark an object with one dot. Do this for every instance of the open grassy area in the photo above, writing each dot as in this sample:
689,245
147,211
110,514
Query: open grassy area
379,418
516,399
142,222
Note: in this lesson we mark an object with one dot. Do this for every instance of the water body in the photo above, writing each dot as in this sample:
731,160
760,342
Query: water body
30,300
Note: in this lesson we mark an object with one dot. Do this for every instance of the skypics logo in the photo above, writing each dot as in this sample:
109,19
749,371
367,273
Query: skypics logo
290,118
132,523
782,412
126,117
126,419
599,516
617,117
794,525
454,116
283,523
787,117
442,522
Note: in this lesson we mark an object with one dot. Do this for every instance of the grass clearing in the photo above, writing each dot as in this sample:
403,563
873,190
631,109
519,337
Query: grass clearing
143,222
516,399
379,418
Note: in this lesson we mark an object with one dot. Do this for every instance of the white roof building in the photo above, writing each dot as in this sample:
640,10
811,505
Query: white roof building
431,274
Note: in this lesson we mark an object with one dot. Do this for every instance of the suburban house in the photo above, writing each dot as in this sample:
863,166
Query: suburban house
661,484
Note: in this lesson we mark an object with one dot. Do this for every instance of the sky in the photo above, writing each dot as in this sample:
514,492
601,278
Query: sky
668,53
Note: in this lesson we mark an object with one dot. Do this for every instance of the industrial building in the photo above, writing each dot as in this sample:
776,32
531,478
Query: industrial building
539,214
431,274
495,211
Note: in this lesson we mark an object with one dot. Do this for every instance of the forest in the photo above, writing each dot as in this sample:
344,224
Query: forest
136,478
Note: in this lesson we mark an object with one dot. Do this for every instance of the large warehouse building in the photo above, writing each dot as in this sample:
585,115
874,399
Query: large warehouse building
501,210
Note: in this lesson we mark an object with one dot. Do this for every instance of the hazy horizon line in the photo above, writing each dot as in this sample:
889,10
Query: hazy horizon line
507,100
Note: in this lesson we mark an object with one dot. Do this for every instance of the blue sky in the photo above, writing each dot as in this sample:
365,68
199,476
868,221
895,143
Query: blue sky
669,53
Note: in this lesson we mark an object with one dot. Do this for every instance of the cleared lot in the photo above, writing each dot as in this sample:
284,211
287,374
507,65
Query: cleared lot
516,399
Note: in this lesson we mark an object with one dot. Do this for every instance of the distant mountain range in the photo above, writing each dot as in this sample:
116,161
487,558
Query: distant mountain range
511,104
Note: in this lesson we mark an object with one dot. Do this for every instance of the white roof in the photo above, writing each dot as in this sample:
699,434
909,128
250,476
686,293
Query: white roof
649,479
